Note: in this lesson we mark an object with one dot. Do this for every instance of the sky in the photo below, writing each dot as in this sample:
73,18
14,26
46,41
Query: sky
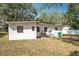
61,9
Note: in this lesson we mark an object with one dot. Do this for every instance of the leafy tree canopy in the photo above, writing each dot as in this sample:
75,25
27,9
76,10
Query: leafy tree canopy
53,18
73,16
12,12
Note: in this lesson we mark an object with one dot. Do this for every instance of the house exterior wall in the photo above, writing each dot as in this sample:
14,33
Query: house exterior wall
67,30
42,29
27,31
54,31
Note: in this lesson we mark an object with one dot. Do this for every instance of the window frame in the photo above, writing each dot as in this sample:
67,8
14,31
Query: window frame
38,29
45,29
33,28
19,29
56,28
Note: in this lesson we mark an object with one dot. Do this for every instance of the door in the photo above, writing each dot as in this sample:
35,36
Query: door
38,32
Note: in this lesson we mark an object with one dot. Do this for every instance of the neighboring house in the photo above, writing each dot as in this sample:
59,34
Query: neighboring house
27,29
69,30
66,30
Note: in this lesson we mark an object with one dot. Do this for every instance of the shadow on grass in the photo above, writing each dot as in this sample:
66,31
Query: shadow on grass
75,53
2,34
74,41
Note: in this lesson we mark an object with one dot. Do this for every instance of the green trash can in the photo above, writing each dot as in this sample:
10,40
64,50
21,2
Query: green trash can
59,35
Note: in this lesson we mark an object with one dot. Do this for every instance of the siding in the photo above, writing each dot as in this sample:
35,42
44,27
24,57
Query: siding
71,32
27,31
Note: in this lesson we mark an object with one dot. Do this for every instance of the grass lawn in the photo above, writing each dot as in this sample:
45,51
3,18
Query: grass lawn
41,46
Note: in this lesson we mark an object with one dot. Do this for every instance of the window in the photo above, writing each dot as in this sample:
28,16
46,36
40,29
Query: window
38,29
33,28
20,29
56,28
45,29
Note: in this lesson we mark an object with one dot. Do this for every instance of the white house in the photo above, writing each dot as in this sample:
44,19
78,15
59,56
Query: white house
69,30
19,30
66,30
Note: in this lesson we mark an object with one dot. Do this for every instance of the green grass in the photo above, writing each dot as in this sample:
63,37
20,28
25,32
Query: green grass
37,47
2,34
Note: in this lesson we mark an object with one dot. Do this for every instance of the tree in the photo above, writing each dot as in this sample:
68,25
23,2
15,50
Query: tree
51,5
73,16
12,12
44,18
53,18
57,18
